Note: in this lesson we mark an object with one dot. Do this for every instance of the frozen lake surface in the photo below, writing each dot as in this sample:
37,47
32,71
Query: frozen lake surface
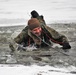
17,12
35,70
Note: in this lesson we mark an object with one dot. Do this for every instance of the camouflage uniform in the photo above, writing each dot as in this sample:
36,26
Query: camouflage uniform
47,34
41,20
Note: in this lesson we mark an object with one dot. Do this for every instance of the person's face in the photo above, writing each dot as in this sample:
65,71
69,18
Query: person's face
37,31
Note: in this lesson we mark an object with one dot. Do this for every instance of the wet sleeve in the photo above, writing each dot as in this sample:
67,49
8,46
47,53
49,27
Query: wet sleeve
19,39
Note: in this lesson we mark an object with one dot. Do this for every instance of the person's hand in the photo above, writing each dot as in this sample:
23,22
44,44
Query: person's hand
66,46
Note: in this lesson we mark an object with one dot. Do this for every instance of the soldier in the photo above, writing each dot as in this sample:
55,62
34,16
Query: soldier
34,14
40,36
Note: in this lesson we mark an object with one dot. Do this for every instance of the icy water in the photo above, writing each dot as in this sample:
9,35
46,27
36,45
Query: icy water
57,62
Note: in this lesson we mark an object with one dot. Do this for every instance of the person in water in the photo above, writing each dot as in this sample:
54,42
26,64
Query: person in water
40,35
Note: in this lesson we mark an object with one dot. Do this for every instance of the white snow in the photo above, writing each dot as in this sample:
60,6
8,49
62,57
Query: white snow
33,70
14,12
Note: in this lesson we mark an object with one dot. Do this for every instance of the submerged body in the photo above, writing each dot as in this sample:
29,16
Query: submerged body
26,37
39,34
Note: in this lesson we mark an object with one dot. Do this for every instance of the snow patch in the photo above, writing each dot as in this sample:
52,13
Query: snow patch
34,70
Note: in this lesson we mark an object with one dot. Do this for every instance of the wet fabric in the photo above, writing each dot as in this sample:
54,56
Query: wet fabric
47,34
33,23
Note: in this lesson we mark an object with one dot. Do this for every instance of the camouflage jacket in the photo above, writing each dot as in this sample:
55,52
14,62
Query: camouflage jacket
47,34
41,20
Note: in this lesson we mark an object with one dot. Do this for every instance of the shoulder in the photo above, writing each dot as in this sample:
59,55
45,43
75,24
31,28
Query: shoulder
25,29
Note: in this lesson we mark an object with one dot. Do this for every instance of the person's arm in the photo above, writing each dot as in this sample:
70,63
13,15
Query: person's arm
56,37
20,38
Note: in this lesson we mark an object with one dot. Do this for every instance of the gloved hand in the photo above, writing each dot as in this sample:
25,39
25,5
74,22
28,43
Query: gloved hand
66,46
